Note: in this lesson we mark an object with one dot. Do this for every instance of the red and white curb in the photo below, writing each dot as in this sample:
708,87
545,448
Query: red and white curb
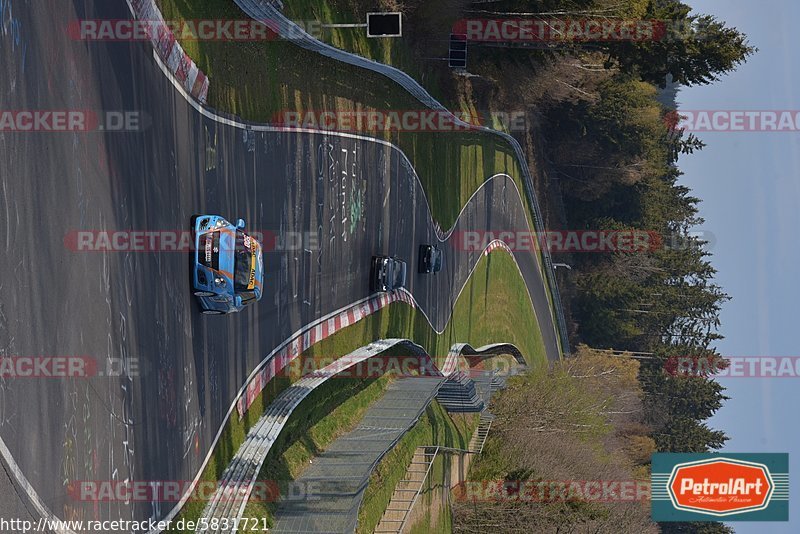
171,52
290,349
497,244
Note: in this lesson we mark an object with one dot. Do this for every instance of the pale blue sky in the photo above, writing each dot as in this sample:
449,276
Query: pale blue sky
750,186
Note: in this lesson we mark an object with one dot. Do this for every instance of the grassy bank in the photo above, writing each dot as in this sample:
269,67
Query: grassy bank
494,306
436,427
420,52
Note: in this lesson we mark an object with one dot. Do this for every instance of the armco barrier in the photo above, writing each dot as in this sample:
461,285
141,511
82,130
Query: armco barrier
266,10
239,478
170,51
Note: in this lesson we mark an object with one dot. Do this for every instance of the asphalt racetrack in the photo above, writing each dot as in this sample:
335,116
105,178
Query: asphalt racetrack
342,199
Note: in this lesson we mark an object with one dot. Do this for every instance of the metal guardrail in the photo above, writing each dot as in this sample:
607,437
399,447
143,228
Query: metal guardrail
267,10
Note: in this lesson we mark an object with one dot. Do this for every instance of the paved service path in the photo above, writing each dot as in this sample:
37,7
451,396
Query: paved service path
340,475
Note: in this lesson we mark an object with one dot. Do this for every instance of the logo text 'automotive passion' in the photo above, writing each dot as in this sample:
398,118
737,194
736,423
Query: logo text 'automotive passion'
720,487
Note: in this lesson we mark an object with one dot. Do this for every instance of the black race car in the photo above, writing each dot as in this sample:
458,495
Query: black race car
430,259
387,273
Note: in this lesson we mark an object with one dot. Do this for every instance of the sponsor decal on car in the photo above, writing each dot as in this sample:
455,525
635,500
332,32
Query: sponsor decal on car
208,249
211,244
252,282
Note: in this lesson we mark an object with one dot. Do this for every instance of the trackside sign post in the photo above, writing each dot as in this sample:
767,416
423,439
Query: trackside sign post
720,487
384,25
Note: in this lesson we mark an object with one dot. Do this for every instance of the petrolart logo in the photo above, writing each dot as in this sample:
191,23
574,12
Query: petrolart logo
720,487
714,487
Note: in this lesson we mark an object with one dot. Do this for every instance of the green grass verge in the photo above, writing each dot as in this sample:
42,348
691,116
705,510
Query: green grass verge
443,523
421,62
493,307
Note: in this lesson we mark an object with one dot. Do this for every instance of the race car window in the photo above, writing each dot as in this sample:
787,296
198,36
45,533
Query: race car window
248,297
244,263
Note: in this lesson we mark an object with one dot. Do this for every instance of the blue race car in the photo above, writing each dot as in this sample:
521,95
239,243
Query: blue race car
228,272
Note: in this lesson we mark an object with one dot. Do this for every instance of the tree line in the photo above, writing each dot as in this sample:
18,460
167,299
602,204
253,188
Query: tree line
607,116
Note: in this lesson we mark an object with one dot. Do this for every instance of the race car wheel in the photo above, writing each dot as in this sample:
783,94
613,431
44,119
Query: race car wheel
203,294
212,312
